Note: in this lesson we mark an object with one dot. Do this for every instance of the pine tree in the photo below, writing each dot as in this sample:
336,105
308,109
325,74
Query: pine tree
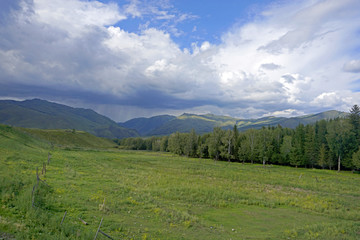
310,147
354,118
298,145
322,156
285,149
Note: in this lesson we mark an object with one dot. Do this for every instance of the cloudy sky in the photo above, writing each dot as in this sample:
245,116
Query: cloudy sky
134,58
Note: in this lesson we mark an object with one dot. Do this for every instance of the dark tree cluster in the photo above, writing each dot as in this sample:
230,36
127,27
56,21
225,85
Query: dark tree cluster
332,144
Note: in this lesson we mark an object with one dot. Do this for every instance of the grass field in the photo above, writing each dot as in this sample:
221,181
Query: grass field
159,196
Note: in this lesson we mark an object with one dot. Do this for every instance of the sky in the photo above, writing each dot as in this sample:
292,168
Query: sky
141,58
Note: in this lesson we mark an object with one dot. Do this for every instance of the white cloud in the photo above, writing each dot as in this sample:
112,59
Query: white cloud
76,17
159,67
305,38
285,113
205,46
331,99
133,8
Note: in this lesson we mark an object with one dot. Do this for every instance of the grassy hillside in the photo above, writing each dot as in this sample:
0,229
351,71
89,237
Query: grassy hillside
70,138
41,114
142,195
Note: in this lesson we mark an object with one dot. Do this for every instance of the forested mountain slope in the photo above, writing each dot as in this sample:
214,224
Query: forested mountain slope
165,125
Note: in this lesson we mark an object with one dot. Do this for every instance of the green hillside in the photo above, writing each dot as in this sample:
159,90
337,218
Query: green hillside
55,138
70,138
144,195
42,114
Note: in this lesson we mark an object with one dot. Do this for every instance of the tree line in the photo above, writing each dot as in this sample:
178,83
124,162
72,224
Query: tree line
332,144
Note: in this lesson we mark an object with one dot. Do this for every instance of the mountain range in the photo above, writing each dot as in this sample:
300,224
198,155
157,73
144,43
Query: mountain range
41,114
165,124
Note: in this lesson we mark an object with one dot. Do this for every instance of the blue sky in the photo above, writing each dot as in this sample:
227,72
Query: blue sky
136,58
205,20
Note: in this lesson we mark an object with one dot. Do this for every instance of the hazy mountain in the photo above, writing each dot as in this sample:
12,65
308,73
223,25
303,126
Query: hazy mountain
165,125
42,114
312,118
145,125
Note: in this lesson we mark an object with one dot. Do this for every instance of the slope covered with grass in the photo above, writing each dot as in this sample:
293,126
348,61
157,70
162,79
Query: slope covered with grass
70,138
143,195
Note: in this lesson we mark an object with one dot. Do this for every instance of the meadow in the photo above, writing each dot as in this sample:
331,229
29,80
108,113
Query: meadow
153,195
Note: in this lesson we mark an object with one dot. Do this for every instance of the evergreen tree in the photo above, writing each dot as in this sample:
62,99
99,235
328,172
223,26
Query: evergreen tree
322,156
310,146
285,149
297,155
354,118
277,139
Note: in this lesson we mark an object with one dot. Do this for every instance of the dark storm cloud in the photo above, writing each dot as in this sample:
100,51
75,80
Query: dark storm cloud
142,98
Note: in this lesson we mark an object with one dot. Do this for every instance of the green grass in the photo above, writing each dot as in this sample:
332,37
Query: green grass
70,138
159,196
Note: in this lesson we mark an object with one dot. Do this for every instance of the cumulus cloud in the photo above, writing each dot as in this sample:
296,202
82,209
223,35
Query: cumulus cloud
336,99
301,38
289,59
76,17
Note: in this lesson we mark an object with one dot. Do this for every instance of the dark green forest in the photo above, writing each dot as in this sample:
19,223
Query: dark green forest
332,144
